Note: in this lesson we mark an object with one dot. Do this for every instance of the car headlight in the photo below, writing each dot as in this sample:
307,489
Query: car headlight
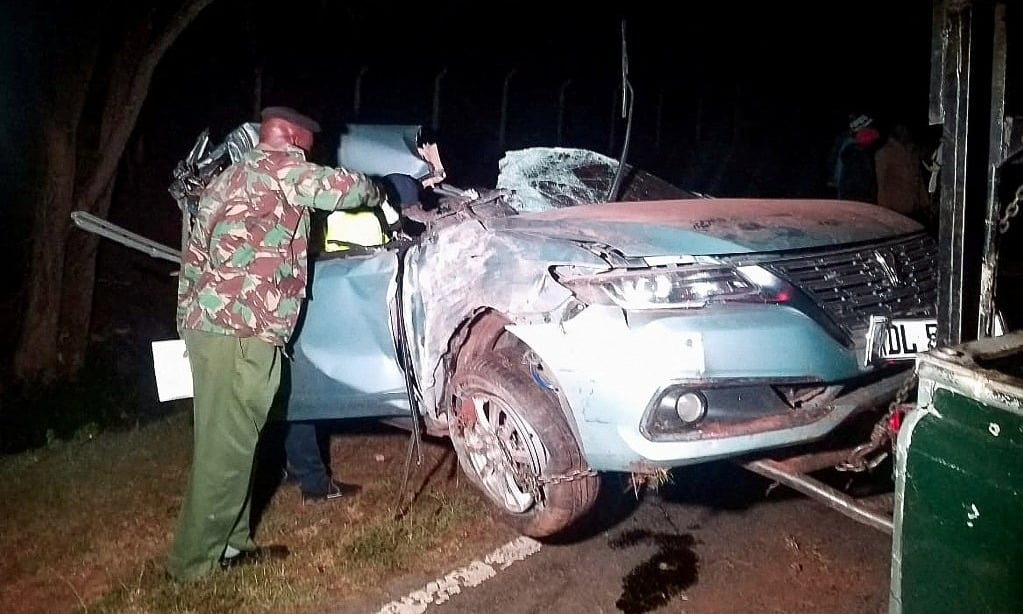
689,287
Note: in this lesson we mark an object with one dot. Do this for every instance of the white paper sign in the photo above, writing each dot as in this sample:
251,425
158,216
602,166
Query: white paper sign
173,371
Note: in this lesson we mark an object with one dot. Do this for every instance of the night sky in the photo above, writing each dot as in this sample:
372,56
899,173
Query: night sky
731,98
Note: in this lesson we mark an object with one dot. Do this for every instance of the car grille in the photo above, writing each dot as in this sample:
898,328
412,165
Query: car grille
896,279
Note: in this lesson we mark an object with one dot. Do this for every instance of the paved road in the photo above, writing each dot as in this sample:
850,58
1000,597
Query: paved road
713,541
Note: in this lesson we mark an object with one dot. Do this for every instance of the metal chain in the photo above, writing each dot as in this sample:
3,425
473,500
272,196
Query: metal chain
902,394
859,459
1011,211
575,474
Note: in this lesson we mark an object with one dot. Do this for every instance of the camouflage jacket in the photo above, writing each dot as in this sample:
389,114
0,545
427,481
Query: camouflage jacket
244,272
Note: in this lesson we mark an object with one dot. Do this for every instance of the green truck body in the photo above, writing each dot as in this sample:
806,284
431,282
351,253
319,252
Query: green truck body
958,526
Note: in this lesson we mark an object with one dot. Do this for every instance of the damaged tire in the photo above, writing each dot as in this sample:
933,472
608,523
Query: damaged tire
514,443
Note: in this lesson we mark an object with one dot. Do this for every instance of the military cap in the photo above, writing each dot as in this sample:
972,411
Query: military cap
290,115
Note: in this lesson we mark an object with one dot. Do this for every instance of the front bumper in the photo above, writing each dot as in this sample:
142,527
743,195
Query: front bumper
610,367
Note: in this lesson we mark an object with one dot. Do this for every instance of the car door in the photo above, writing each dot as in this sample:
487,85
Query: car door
343,355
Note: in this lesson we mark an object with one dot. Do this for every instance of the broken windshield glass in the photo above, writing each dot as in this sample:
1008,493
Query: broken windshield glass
545,178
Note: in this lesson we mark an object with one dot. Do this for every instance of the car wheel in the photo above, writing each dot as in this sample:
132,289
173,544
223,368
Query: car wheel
514,443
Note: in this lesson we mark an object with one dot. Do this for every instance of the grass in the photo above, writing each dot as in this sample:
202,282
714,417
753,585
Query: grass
392,546
113,390
85,524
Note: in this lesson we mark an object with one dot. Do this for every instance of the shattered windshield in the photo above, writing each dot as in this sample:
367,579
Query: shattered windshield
544,178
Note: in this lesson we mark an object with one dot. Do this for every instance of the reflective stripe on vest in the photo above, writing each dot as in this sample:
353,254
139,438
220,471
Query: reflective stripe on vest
361,227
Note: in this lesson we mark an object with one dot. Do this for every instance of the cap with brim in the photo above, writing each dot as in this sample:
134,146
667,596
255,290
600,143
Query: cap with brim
860,122
292,116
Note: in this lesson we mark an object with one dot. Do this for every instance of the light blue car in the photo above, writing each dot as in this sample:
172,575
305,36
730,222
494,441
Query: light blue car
554,337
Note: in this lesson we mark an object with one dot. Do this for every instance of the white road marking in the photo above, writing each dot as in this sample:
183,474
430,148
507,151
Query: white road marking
473,574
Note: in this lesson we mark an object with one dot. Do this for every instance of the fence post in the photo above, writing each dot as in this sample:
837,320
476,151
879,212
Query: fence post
659,120
698,124
614,121
357,100
561,108
436,98
504,109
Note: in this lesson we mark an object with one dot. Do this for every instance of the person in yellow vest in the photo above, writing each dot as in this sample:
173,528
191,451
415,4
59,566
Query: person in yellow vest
371,227
364,227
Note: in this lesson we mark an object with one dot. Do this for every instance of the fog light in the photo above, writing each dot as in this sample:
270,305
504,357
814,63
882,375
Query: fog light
691,407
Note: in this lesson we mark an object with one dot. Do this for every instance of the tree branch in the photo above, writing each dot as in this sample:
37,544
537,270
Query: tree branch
125,97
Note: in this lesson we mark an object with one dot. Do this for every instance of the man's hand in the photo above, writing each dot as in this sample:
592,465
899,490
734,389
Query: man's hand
431,155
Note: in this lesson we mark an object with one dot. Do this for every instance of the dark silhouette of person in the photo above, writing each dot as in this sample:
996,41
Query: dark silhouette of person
854,175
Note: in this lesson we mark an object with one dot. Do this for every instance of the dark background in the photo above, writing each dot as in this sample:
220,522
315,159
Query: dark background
731,98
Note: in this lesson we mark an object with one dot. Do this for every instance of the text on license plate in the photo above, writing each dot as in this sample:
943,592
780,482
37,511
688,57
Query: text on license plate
905,338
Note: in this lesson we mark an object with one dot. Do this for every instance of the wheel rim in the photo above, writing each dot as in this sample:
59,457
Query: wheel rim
504,451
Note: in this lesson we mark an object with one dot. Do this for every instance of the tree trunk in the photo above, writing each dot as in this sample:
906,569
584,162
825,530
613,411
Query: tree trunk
38,357
79,285
55,329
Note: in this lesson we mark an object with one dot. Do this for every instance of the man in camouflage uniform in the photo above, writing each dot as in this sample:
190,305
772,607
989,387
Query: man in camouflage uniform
242,282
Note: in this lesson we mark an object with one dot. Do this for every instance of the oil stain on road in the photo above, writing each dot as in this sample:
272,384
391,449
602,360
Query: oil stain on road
666,575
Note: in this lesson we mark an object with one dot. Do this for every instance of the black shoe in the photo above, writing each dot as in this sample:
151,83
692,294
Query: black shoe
259,555
335,490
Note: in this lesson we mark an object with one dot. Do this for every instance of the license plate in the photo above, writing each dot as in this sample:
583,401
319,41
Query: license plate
900,339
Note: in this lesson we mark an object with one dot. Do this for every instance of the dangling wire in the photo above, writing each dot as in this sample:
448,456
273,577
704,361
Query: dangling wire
415,441
627,100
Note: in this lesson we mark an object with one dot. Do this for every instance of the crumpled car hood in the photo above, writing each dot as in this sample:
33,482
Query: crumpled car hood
713,226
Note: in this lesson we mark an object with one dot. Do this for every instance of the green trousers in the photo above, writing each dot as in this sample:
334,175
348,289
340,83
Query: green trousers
235,380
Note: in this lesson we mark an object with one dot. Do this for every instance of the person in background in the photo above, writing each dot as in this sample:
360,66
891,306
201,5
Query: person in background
240,291
854,175
347,230
901,185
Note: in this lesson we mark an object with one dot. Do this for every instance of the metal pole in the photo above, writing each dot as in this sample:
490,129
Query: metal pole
357,96
501,130
698,129
96,225
436,98
614,122
561,109
658,119
998,139
257,92
835,499
964,102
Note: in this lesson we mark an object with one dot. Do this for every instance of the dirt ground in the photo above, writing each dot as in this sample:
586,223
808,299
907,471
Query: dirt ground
84,527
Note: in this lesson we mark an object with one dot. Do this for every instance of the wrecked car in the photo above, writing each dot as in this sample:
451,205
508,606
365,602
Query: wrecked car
585,318
555,337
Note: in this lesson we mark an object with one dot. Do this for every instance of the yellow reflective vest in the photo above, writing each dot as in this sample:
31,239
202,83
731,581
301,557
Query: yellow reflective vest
366,227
